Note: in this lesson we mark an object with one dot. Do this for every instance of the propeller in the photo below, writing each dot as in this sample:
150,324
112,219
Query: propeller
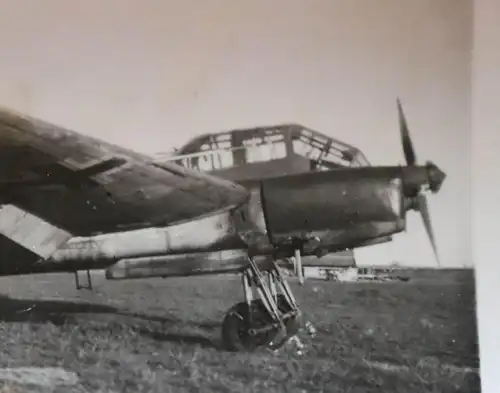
436,177
423,208
408,149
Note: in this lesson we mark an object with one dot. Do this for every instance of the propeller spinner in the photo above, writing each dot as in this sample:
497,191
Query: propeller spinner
435,179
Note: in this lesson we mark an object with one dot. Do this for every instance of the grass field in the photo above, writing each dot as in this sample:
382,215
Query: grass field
163,336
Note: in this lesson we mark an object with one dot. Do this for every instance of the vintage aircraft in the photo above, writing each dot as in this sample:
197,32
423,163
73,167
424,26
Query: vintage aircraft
70,202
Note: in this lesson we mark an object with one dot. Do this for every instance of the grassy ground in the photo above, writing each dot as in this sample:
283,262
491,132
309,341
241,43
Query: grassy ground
163,336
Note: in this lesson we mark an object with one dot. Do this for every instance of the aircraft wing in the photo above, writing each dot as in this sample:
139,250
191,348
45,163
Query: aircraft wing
86,186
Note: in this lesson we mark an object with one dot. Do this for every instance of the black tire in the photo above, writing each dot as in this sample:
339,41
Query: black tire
239,319
237,322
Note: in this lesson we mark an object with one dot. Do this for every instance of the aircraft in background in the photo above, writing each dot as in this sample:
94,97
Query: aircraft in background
71,202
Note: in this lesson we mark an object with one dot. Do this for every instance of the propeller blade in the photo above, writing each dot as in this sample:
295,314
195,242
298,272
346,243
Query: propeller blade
423,208
408,149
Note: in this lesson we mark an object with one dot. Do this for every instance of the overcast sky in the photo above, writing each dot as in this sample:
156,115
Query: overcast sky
149,75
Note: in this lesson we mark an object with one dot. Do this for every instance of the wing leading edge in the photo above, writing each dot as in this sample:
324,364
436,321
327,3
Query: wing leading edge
87,186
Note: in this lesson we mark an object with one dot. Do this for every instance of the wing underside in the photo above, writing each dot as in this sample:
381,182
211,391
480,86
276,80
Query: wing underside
86,186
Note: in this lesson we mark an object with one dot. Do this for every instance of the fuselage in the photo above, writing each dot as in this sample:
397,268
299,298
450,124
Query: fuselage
337,209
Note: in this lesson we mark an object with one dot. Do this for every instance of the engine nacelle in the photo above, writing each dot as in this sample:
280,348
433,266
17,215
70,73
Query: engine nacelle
335,206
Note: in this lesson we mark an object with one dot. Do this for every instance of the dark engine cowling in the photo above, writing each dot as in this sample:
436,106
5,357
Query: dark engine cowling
359,203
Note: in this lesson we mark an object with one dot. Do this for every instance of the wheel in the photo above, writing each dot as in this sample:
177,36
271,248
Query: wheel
239,320
237,323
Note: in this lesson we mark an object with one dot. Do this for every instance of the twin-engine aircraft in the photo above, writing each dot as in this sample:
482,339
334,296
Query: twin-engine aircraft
70,202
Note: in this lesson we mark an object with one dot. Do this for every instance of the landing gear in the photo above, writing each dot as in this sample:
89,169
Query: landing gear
265,322
89,281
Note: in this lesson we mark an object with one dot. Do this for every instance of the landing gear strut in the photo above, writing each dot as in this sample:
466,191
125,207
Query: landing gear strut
267,321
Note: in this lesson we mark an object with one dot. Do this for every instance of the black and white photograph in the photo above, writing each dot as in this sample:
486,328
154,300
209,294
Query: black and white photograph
236,196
